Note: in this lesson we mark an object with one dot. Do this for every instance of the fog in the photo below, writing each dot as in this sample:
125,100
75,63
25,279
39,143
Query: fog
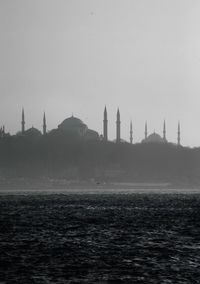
78,56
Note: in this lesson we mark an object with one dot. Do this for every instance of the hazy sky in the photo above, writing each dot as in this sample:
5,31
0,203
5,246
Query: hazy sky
65,56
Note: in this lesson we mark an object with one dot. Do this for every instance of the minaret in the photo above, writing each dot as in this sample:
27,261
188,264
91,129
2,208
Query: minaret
164,131
118,139
145,132
131,133
179,135
44,125
105,125
23,122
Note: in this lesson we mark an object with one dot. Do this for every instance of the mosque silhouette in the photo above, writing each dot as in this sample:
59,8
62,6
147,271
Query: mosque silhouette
79,127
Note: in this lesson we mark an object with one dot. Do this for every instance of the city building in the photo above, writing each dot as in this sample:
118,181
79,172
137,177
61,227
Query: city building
77,126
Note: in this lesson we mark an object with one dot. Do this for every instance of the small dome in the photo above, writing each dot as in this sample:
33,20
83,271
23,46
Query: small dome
154,138
91,135
121,140
32,132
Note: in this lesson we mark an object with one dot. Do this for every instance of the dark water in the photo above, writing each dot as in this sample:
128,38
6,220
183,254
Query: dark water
132,238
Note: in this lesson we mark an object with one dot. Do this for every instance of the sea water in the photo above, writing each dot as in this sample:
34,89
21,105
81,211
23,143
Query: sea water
91,237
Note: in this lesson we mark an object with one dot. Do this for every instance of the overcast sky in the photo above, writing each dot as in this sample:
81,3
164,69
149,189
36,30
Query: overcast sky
76,56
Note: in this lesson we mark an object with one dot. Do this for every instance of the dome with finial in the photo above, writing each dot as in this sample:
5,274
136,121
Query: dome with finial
154,138
32,132
77,125
73,124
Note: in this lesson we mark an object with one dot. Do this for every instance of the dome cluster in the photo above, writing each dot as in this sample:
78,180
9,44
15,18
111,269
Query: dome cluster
79,127
69,124
152,138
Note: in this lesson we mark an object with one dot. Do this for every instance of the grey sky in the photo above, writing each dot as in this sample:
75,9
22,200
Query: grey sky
65,56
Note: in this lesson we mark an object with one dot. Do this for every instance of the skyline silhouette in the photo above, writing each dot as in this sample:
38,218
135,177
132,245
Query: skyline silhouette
149,136
77,56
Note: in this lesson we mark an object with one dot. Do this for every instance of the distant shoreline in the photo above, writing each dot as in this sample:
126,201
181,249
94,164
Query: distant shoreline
81,187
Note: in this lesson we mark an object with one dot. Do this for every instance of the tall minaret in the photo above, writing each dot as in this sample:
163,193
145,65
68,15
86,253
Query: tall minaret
164,131
105,125
179,135
131,133
118,139
44,125
23,121
145,132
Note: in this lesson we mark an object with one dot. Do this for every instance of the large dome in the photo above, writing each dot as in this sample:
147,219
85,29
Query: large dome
154,138
73,124
76,125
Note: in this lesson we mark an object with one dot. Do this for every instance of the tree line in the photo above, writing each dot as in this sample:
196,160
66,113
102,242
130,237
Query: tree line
66,155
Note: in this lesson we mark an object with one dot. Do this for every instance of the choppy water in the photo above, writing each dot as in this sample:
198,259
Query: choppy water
109,238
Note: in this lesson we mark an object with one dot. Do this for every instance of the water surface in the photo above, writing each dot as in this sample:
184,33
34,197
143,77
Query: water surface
99,238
